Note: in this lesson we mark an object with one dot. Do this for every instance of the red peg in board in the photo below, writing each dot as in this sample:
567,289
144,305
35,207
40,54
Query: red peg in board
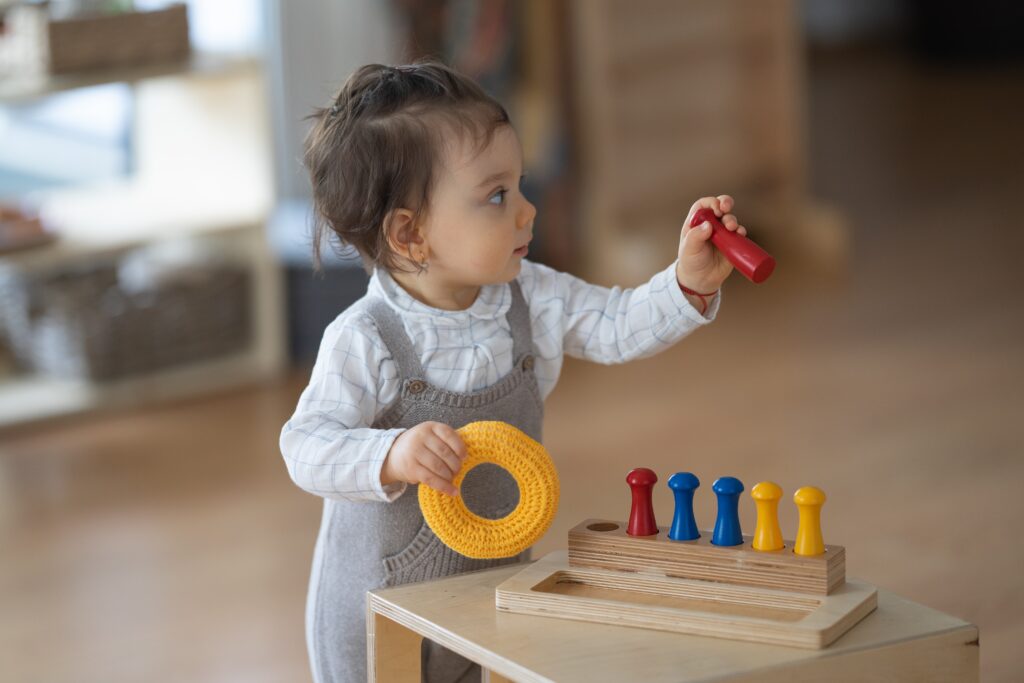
754,262
641,514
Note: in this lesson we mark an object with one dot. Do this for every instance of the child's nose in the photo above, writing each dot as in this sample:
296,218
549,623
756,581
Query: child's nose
526,214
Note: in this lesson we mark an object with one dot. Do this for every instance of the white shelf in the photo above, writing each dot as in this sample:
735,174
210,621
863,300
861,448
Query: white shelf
30,85
32,399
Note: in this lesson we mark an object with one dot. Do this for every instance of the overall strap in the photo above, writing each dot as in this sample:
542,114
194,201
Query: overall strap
392,331
518,317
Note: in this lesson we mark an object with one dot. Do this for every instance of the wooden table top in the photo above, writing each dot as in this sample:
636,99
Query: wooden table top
459,613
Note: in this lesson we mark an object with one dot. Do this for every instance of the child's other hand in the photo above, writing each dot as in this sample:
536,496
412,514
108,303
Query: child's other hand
430,453
701,267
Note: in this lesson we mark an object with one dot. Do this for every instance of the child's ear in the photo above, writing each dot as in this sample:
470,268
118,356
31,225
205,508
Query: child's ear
404,236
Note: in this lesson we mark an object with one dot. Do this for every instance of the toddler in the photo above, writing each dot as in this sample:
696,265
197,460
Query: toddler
419,170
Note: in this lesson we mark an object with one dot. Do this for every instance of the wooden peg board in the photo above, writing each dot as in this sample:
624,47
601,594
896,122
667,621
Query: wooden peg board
692,587
604,544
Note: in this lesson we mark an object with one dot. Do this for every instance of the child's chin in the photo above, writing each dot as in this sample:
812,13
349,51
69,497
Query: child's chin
511,272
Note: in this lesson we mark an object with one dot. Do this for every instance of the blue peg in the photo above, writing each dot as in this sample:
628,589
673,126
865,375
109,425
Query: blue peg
684,526
727,526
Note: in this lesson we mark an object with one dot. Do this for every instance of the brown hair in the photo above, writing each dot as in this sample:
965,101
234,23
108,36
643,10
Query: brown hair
377,147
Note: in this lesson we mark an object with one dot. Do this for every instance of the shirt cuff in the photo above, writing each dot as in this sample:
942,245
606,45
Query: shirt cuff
683,304
390,492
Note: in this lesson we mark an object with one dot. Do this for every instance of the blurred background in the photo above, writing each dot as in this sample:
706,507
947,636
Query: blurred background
159,312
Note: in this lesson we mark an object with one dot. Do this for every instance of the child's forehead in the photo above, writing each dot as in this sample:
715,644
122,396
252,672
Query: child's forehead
467,159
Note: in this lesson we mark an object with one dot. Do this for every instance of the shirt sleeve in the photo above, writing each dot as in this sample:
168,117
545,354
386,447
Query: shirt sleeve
612,325
328,445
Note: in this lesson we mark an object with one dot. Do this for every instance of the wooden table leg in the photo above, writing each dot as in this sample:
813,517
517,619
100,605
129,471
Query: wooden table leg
393,651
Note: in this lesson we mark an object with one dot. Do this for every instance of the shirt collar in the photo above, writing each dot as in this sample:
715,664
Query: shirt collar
492,302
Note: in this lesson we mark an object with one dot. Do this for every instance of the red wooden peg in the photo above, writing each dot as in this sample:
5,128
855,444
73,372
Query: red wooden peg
641,514
751,260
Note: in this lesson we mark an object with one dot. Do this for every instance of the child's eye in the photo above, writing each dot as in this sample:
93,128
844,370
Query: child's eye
499,196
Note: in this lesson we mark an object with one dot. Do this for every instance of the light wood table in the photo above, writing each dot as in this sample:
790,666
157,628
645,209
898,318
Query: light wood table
900,641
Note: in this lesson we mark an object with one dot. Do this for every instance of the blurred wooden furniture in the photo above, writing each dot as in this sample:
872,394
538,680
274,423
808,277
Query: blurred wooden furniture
19,230
98,41
676,100
201,175
901,640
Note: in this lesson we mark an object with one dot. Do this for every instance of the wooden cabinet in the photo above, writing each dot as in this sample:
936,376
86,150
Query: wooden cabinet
679,99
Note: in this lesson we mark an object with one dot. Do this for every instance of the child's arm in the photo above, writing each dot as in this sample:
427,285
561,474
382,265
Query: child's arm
327,445
618,325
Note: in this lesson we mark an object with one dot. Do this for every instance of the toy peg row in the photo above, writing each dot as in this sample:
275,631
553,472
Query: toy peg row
641,514
755,263
766,495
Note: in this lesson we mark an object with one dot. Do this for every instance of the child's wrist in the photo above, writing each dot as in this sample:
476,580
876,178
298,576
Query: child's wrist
386,477
699,296
686,281
387,471
702,302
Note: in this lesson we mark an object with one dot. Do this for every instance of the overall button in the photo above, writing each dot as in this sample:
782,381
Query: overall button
528,363
416,386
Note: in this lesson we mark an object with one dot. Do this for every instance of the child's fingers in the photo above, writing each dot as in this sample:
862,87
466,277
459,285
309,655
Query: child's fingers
435,472
444,455
702,203
721,205
451,437
732,224
435,481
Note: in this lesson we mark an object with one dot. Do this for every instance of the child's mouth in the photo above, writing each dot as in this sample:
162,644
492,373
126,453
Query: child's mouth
521,251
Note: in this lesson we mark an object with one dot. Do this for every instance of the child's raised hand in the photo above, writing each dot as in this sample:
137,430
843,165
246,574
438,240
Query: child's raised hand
430,453
701,267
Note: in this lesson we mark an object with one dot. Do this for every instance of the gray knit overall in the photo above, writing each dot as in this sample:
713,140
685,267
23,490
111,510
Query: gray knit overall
367,545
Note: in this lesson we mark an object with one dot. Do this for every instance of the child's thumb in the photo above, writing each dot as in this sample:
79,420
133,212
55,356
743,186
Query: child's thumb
696,237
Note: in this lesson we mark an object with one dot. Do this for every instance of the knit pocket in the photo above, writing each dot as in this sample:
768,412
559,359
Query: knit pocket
413,562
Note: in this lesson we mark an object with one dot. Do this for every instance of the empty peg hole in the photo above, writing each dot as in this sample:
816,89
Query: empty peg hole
603,526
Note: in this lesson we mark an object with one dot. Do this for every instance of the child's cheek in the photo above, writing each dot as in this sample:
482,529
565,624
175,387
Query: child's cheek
484,255
473,260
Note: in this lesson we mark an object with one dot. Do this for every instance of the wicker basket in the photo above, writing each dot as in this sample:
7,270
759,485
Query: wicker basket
80,322
118,40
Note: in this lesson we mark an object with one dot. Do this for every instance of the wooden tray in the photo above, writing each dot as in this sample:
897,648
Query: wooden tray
551,587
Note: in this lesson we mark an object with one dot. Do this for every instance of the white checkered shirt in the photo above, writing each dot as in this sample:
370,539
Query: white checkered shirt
328,445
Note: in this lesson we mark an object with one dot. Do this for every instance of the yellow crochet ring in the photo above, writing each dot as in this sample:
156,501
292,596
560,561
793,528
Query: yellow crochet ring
529,464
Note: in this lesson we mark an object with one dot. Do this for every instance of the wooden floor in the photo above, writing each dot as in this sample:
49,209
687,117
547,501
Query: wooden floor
168,544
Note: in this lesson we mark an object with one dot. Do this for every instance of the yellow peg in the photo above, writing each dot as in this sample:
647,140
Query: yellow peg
809,500
767,534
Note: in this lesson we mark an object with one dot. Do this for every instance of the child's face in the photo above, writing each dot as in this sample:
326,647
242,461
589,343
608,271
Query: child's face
479,223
